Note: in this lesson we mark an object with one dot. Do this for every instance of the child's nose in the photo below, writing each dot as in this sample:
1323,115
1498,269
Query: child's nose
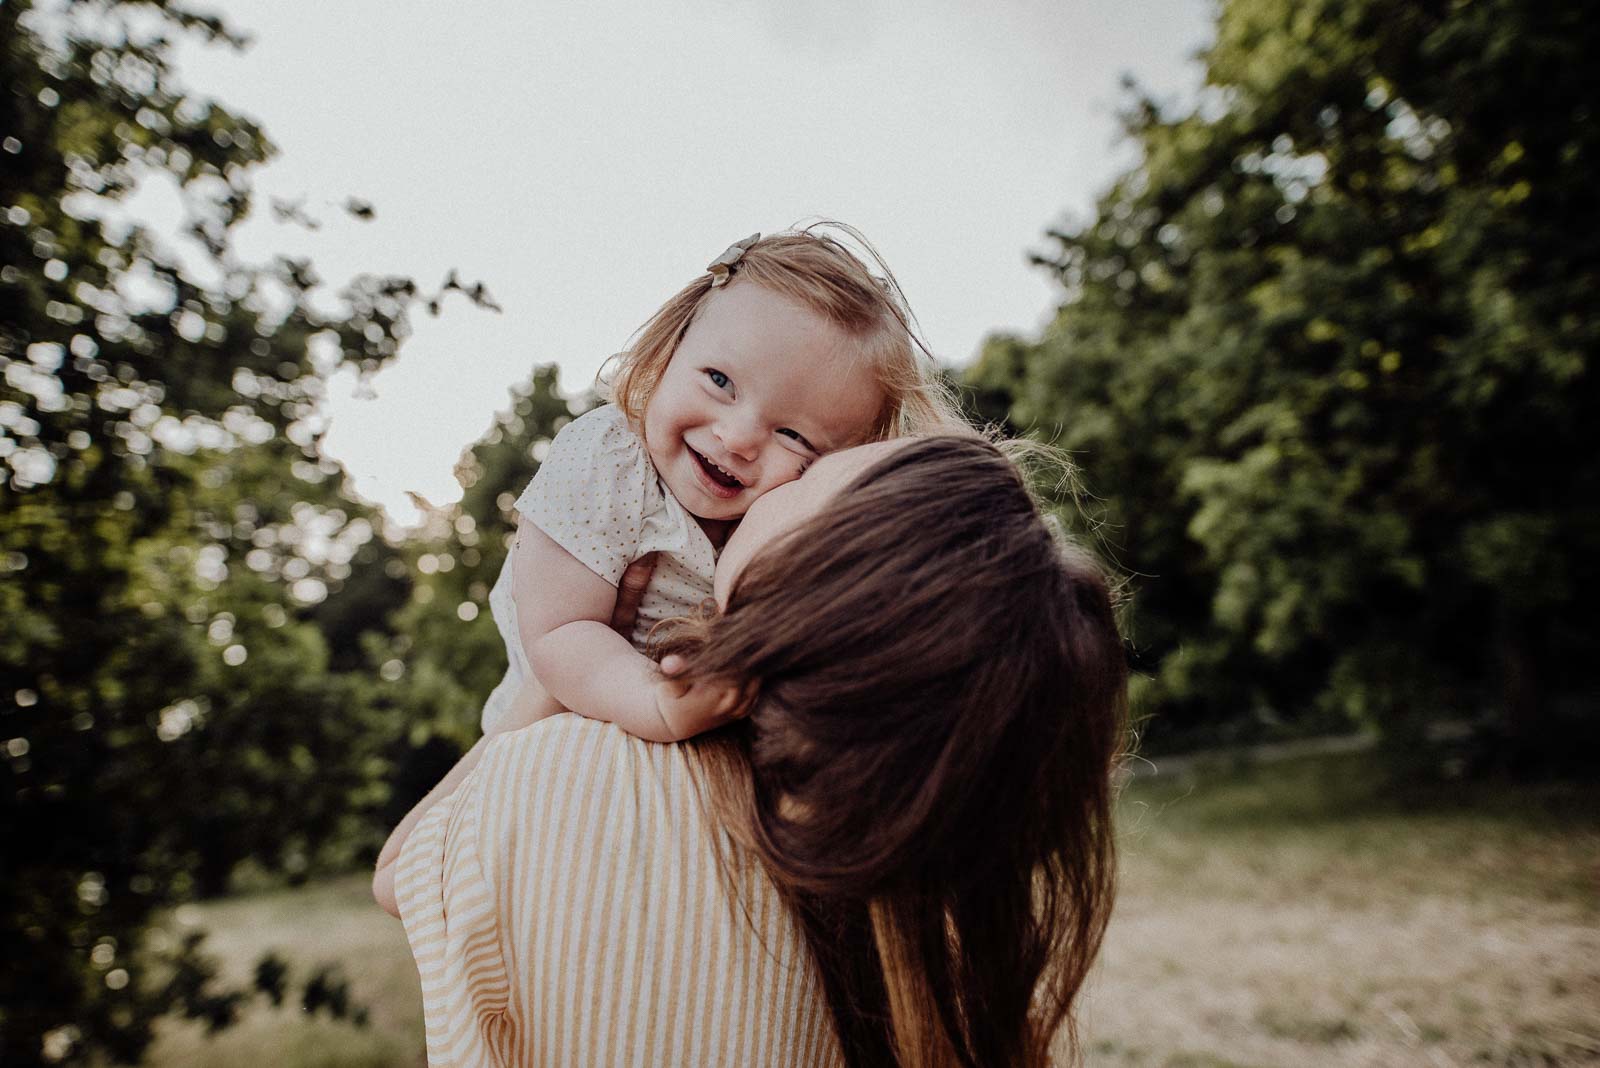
742,437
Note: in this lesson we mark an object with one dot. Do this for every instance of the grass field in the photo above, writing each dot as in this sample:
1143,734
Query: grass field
1301,914
1292,914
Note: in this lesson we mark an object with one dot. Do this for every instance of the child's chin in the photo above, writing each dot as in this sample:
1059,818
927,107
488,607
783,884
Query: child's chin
720,510
703,504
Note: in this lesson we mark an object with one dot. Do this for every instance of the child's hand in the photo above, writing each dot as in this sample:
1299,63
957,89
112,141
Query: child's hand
690,708
630,591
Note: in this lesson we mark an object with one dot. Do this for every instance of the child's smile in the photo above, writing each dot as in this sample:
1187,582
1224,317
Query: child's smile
721,482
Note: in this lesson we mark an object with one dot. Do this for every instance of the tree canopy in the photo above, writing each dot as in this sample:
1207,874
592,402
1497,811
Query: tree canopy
1325,353
186,579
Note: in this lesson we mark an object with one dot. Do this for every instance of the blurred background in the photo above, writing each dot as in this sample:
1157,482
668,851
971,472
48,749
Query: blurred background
293,297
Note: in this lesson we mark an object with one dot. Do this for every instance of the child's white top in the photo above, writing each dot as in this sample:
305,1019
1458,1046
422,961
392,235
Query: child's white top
597,495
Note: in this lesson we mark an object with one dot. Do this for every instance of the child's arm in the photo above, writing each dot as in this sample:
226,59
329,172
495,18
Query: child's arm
563,610
533,702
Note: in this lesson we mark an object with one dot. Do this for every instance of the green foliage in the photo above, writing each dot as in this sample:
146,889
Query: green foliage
1325,354
175,550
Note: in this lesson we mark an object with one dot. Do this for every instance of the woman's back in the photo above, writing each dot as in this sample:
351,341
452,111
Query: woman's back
565,907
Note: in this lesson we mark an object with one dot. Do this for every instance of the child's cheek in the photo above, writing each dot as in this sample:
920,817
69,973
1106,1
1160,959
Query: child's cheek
792,473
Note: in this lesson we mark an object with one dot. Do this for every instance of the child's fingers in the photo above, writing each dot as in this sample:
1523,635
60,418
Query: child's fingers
706,702
630,591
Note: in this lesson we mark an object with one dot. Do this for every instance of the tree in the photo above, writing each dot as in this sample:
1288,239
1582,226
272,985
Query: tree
173,543
1326,354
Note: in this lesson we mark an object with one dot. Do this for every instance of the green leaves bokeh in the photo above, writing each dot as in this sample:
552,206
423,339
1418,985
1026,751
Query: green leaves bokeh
190,592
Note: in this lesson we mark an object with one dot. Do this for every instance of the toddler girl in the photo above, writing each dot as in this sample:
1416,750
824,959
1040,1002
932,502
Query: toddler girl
787,348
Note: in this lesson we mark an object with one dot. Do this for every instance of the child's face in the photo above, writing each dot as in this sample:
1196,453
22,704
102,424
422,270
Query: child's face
758,388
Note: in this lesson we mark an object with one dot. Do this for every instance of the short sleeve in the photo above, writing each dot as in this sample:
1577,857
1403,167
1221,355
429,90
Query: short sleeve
593,490
447,905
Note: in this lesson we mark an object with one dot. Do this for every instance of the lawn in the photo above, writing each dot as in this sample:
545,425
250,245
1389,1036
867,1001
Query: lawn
1301,914
1296,913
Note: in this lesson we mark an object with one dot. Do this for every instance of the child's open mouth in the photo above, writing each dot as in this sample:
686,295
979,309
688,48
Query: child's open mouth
725,480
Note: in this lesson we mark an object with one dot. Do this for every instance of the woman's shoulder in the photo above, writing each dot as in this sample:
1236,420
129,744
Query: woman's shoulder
588,830
556,740
586,799
547,761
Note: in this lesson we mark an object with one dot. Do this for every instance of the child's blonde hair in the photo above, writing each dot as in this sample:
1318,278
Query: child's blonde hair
817,270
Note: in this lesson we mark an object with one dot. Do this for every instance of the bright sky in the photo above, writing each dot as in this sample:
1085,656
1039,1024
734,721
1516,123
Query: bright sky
586,159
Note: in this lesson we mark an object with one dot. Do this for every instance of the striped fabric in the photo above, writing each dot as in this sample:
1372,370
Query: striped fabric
565,908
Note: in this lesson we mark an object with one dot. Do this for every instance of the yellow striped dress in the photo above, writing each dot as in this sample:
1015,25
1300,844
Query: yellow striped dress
564,907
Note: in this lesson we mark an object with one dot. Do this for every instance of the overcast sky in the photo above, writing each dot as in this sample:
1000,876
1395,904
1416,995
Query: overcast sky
586,159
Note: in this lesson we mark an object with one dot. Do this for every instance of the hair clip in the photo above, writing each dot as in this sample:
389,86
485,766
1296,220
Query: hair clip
722,266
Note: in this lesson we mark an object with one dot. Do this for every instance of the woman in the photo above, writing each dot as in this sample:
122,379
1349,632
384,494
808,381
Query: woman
902,854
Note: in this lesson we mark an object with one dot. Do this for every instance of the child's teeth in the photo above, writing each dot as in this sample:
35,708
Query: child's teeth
712,463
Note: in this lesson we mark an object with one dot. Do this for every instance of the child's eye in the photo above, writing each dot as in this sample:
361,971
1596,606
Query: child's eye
797,436
718,379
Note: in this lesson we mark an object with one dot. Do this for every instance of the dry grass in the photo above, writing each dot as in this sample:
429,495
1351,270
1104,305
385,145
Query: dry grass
1293,915
1300,914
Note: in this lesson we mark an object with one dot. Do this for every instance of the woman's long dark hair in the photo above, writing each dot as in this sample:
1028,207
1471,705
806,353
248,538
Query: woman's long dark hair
939,697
